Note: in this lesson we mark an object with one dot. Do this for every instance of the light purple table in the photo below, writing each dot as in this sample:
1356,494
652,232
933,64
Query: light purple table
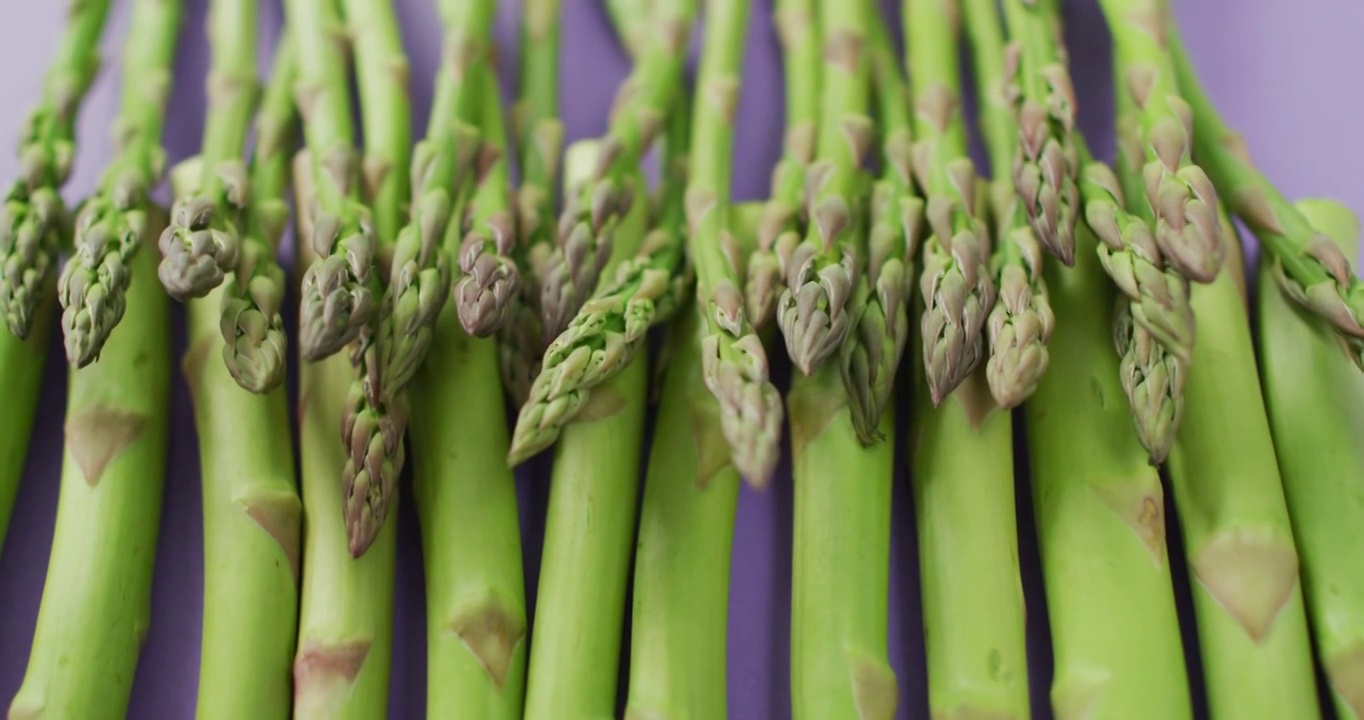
1287,74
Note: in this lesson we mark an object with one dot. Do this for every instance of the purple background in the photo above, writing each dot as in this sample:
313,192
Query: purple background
1271,66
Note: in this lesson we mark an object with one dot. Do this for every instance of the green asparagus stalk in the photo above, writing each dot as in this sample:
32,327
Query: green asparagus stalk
1252,626
1315,400
1021,321
33,217
345,634
255,344
630,19
200,246
22,362
1312,268
1177,193
337,297
112,225
785,218
590,521
466,501
96,606
540,139
592,213
956,284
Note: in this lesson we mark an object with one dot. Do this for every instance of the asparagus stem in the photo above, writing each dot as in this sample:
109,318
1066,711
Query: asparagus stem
1252,626
22,362
1315,401
255,345
956,284
1100,519
112,225
591,518
630,18
96,606
33,218
592,213
345,636
1021,321
201,244
540,139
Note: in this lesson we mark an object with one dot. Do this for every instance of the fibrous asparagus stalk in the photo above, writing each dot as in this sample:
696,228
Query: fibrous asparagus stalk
1311,267
33,218
1176,192
1046,159
1315,401
957,287
337,299
111,226
22,362
1252,627
611,328
592,212
203,240
97,599
785,215
540,139
255,346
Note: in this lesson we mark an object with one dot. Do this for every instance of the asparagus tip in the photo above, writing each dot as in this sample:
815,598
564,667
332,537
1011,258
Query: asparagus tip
335,308
812,312
198,248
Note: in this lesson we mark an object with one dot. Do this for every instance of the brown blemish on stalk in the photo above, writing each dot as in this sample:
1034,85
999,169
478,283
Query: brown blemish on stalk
937,106
25,713
843,50
376,168
1345,670
875,693
1150,23
973,713
1141,507
491,633
194,362
723,94
1077,702
712,450
604,402
793,25
976,399
318,668
1251,574
811,413
306,97
95,436
280,515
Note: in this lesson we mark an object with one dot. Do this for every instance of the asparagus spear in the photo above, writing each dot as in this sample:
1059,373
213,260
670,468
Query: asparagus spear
785,222
630,18
956,284
1315,401
1312,268
201,244
97,599
112,225
590,520
33,217
540,139
255,345
22,362
466,501
1021,320
592,213
345,635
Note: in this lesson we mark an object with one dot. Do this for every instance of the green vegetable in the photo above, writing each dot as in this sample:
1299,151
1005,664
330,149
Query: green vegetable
22,362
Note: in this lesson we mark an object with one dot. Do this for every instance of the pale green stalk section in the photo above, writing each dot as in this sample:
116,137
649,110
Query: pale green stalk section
1315,398
1252,627
1100,520
22,363
96,608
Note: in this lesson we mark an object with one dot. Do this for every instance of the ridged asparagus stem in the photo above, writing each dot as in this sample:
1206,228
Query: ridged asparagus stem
1311,267
590,522
33,221
1315,400
785,216
1021,321
252,522
592,213
255,347
1252,627
112,225
201,245
1046,159
96,607
686,532
345,636
611,328
540,139
630,19
337,298
957,287
734,362
1177,192
1100,519
22,362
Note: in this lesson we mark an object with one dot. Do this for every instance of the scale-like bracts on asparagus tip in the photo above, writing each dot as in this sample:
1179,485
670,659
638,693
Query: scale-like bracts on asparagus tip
1021,322
111,226
33,216
1153,379
372,429
591,213
255,347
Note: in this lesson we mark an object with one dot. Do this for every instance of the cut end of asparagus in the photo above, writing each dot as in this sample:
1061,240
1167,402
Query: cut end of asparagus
336,305
1251,573
491,632
813,313
199,247
30,240
1345,671
875,691
324,675
1153,379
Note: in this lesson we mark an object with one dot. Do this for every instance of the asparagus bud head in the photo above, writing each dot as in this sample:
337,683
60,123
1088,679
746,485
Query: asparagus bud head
200,245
